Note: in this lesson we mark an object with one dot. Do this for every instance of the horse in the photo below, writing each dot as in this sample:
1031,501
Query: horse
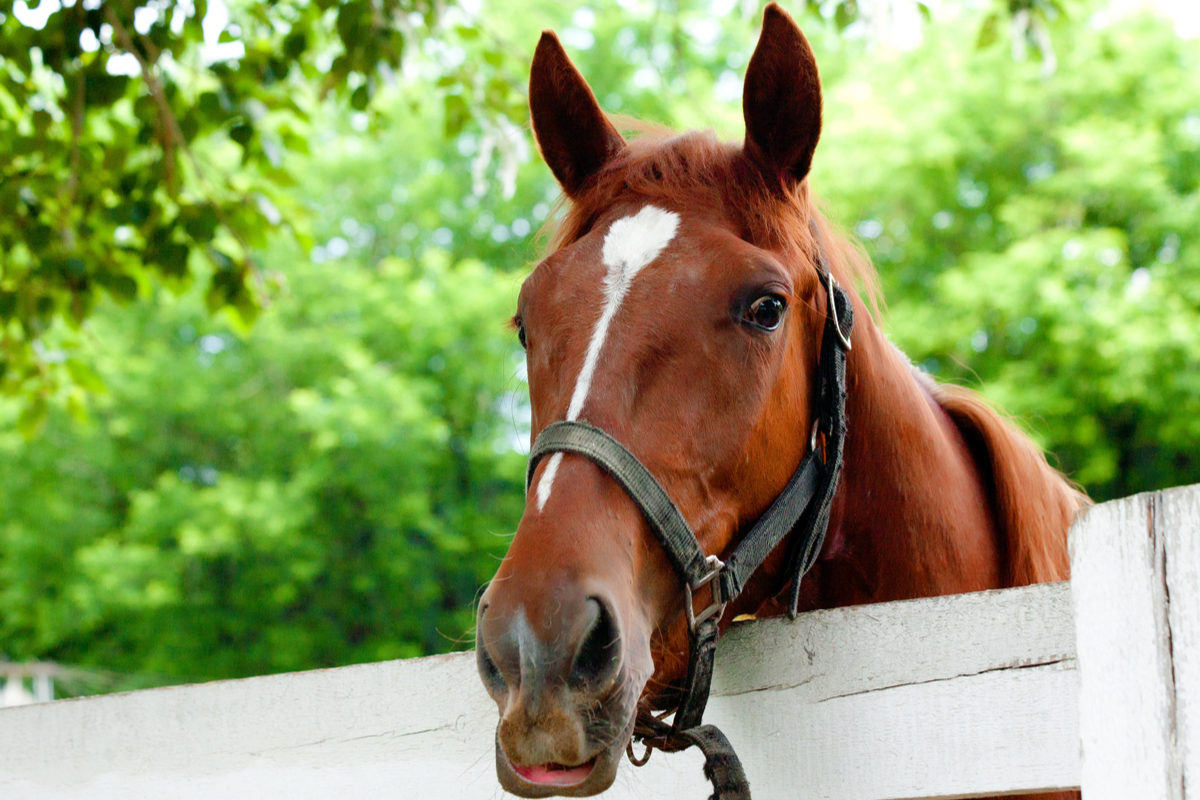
683,311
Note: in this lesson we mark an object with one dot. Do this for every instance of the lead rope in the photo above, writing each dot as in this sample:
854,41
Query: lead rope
722,767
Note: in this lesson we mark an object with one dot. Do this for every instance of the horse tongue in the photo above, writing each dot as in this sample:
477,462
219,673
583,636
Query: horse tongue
555,774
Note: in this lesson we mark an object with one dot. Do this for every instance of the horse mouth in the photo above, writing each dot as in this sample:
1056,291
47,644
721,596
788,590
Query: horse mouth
544,780
557,774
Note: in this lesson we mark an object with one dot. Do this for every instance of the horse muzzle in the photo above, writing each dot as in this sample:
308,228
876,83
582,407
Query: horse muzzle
566,683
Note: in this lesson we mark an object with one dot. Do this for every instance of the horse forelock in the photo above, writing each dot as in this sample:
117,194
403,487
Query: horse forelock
696,170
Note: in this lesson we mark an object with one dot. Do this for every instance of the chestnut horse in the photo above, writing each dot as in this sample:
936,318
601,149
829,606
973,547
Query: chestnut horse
681,310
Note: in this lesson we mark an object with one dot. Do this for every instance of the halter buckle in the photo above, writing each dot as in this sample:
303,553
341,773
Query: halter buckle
713,567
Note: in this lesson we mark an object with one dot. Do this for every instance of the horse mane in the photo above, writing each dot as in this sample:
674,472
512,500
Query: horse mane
1032,502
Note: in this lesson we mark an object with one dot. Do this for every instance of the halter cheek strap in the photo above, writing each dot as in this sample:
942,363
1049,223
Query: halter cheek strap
802,506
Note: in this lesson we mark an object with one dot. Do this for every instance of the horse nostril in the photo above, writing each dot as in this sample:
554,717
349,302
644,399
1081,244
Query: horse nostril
599,654
488,670
493,680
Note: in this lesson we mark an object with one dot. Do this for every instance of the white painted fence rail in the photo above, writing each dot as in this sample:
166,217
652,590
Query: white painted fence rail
940,698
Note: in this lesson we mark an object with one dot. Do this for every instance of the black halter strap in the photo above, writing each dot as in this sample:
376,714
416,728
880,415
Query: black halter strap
802,506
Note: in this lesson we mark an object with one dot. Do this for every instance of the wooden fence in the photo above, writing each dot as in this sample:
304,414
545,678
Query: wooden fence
1095,683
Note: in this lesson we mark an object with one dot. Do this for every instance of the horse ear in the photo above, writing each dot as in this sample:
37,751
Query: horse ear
781,100
574,135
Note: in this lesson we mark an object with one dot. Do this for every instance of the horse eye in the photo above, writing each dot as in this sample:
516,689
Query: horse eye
766,312
520,323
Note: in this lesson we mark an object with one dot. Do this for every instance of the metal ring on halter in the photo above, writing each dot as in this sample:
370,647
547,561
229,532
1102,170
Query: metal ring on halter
837,323
638,762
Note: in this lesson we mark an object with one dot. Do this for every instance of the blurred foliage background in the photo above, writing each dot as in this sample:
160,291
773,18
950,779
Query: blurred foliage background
259,406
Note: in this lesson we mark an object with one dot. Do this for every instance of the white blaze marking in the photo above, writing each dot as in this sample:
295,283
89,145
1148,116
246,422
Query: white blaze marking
630,244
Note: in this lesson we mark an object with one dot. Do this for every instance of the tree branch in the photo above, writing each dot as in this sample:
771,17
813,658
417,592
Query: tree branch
173,136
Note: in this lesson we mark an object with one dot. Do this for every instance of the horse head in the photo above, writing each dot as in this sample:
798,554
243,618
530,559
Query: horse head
680,311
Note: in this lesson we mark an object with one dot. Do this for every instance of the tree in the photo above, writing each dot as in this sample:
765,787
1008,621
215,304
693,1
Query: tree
330,487
143,148
1037,236
149,142
328,490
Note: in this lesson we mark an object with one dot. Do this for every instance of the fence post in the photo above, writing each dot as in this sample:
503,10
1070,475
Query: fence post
1135,584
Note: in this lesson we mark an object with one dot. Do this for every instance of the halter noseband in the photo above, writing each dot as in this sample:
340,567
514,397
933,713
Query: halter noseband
803,506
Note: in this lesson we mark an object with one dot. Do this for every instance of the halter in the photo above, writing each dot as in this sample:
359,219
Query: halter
802,506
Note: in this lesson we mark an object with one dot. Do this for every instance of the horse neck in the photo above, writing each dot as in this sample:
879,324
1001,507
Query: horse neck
912,516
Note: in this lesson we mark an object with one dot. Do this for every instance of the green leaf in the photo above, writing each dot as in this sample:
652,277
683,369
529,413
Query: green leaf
989,31
32,418
845,13
85,377
360,98
295,44
121,287
241,132
457,114
199,221
104,89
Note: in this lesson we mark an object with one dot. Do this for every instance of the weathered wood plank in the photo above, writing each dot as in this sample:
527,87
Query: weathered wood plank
1120,553
1178,515
1013,729
944,697
844,650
